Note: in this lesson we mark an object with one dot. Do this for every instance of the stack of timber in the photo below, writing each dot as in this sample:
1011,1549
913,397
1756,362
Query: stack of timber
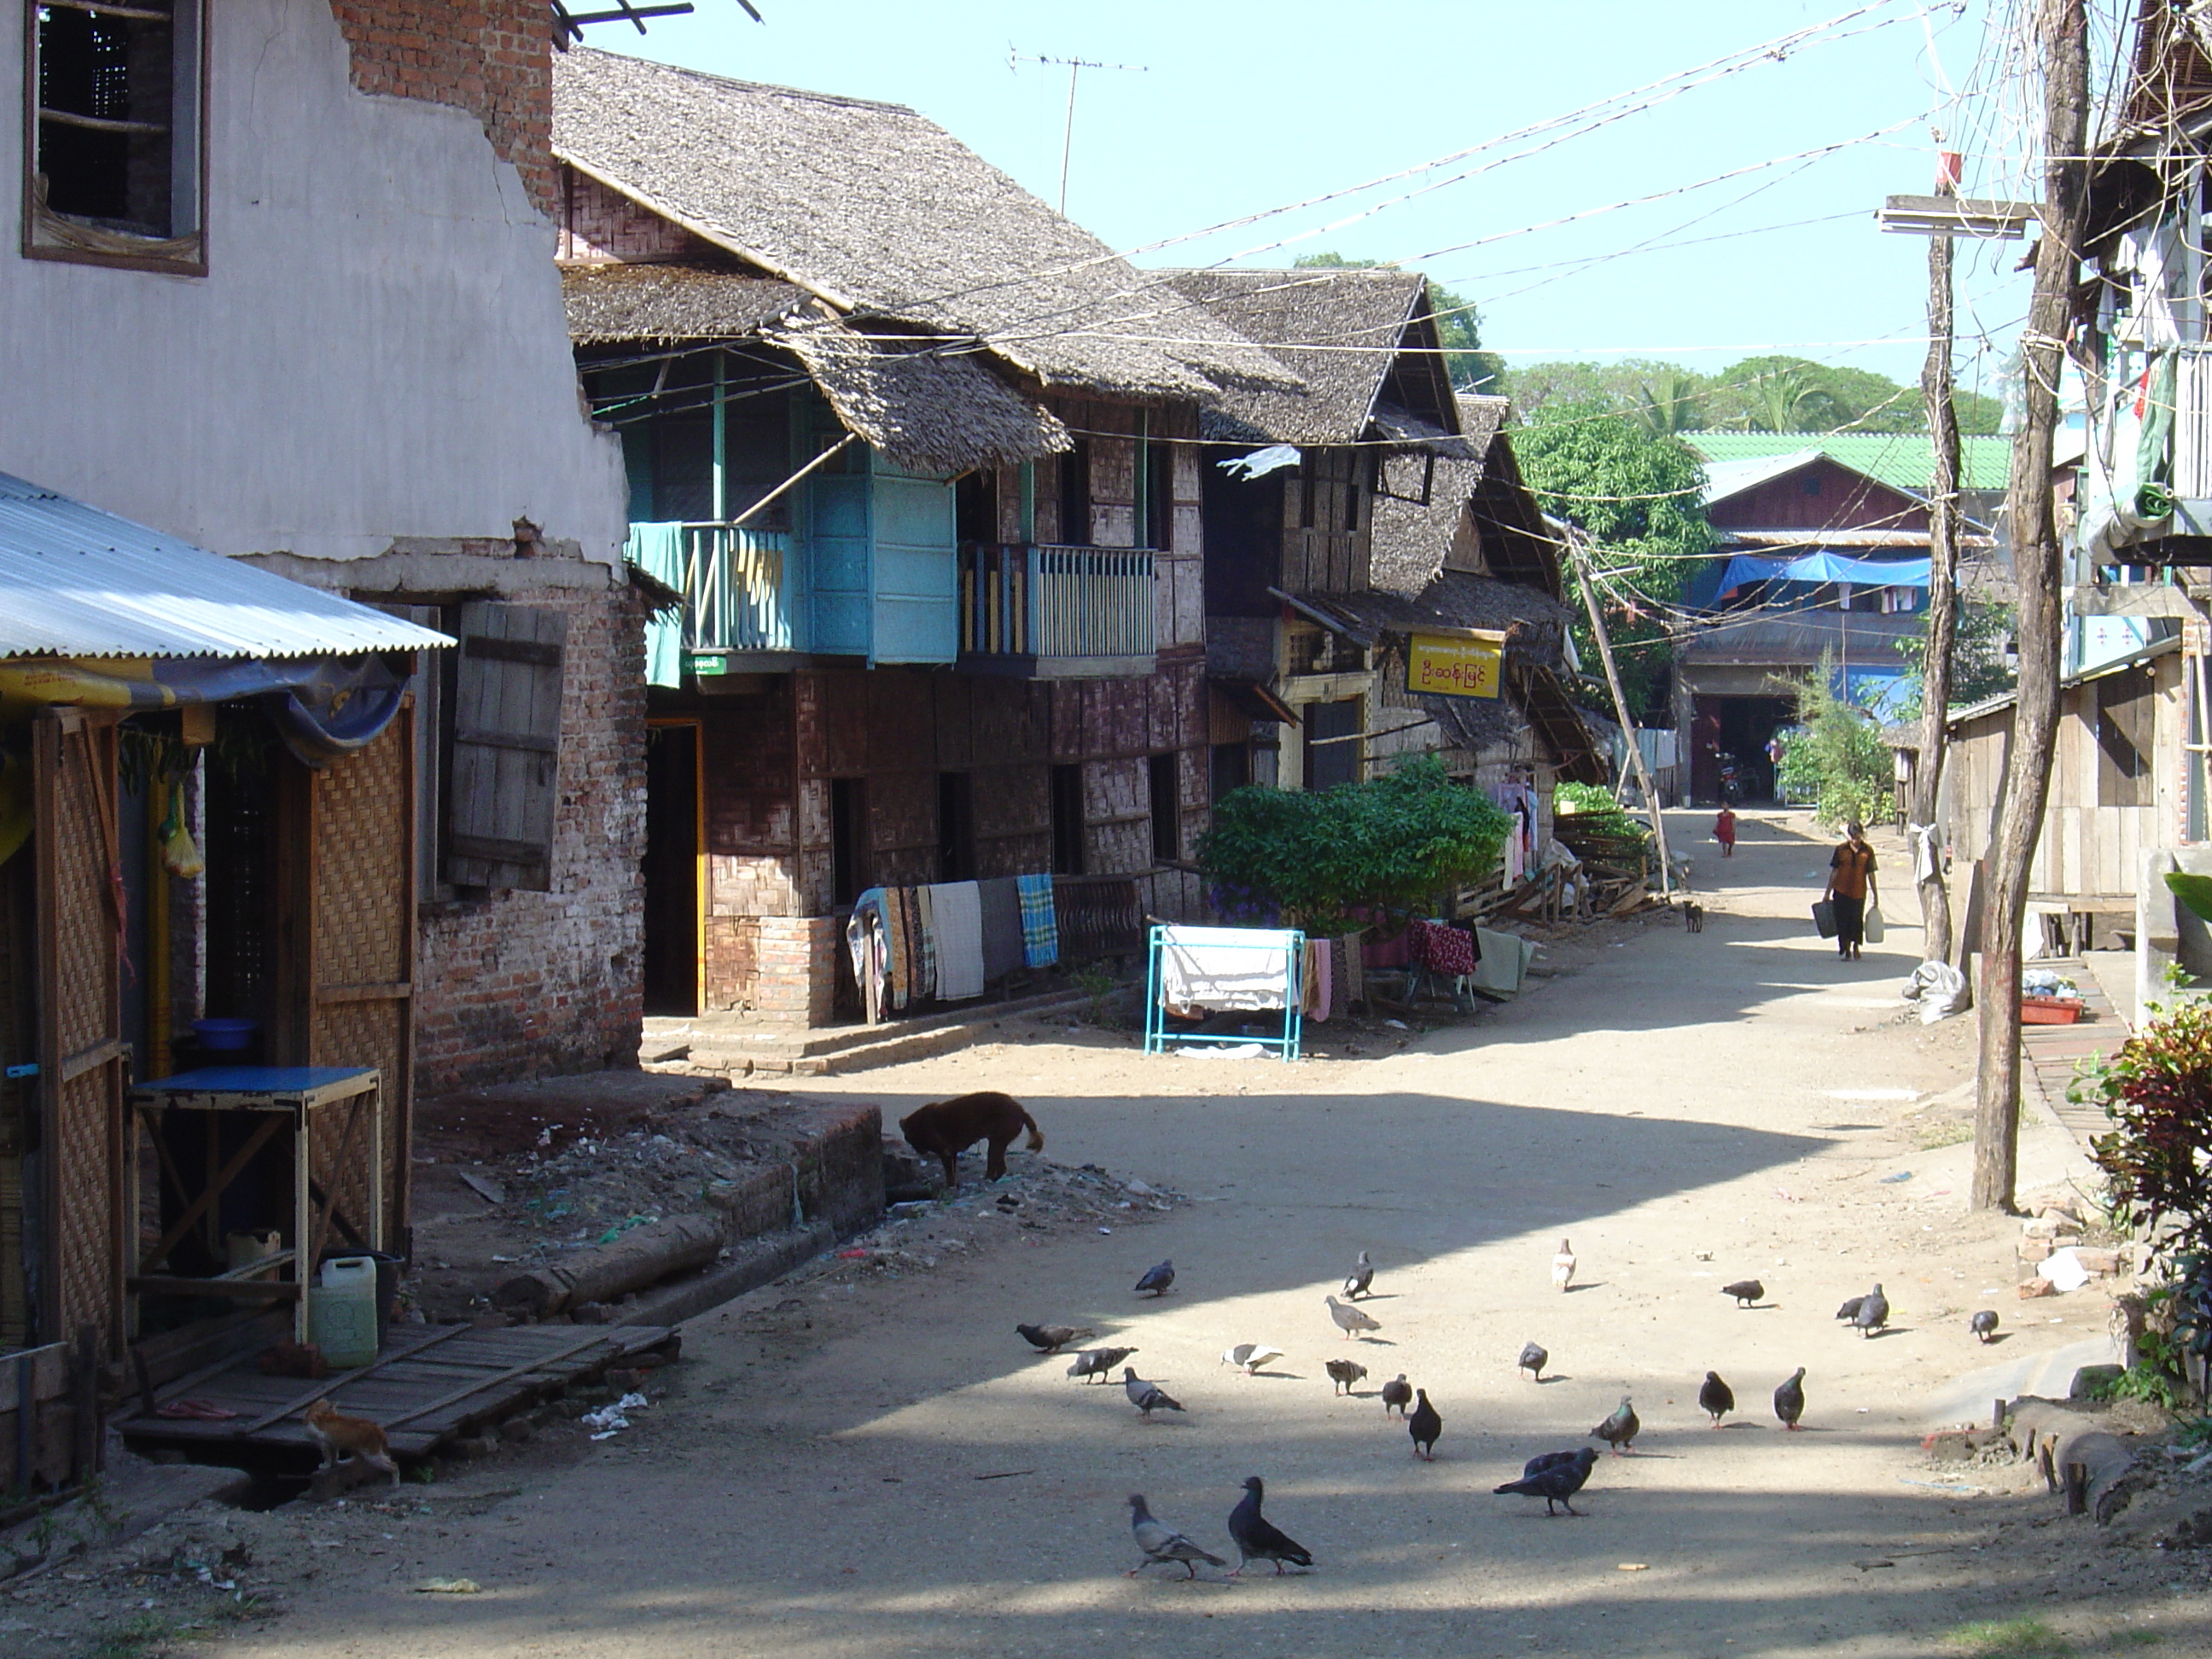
1615,878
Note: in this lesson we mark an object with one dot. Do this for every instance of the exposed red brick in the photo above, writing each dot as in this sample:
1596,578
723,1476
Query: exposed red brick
491,57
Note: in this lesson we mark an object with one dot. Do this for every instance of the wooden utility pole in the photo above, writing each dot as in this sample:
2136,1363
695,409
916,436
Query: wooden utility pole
1579,552
2063,48
1936,388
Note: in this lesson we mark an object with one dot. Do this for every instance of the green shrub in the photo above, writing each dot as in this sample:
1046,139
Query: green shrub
1387,845
1836,759
1594,808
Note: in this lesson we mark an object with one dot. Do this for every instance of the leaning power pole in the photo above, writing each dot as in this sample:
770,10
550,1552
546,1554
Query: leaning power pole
1578,550
1937,388
2063,48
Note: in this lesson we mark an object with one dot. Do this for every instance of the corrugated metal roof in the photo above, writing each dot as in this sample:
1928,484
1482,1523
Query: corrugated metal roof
75,581
1903,460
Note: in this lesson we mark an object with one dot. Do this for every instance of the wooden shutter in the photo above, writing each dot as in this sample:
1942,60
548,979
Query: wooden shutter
81,1054
506,747
360,906
2125,713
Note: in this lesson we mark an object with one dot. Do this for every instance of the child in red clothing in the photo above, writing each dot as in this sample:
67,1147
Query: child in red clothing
1724,832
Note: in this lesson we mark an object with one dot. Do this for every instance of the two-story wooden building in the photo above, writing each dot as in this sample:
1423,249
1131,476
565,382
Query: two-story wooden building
1344,519
911,450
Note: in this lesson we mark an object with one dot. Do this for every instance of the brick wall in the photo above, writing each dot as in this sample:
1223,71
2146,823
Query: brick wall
491,57
521,985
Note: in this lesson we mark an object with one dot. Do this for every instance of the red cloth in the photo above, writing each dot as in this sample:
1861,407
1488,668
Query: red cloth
1442,949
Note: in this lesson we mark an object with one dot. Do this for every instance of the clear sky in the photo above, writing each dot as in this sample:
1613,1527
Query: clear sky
1240,107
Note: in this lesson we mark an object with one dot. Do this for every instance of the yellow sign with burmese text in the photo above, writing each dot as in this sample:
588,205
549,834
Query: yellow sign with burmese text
1456,665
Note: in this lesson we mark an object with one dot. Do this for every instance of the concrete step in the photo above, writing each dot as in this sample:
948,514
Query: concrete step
752,1048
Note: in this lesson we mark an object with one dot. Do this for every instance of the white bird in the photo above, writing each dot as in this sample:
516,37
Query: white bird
1563,1265
1251,1356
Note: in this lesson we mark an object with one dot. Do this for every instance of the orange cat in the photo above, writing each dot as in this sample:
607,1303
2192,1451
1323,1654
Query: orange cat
335,1432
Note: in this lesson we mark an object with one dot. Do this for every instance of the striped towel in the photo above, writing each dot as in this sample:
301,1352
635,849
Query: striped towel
1040,927
925,940
958,911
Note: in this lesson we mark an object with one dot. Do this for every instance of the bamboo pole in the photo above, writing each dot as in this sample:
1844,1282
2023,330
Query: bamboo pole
1577,551
1936,386
2062,41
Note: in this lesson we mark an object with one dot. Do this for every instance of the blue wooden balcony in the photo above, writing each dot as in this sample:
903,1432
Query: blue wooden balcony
1056,613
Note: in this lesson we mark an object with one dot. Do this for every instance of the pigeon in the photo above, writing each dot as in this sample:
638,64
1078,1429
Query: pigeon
1398,1394
1093,1364
1359,1279
1619,1431
1157,1280
1345,1372
1050,1339
1543,1460
1148,1397
1717,1399
1258,1539
1533,1359
1160,1542
1745,1290
1850,1310
1563,1265
1984,1324
1789,1399
1874,1312
1425,1426
1349,1319
1251,1356
1555,1477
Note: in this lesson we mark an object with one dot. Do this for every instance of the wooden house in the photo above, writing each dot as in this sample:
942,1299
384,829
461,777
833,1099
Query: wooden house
130,662
2118,789
1814,561
912,452
1398,512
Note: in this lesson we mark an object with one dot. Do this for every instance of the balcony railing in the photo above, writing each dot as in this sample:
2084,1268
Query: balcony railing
1056,603
736,588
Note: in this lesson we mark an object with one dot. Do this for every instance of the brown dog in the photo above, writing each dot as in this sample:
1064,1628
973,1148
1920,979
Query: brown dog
946,1128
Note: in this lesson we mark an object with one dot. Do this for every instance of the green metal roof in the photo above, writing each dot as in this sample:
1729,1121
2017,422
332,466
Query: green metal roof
1903,460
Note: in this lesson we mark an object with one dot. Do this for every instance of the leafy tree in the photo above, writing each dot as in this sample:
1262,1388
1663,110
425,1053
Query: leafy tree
1979,668
1836,758
1390,845
1459,328
1758,394
1640,497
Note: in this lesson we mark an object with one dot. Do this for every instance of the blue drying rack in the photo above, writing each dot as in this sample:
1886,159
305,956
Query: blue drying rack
1287,946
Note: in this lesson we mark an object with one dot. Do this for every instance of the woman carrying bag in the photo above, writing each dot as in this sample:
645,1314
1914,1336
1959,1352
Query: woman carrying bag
1850,889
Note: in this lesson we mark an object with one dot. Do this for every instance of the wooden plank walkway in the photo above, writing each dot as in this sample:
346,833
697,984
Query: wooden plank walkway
2049,1053
430,1383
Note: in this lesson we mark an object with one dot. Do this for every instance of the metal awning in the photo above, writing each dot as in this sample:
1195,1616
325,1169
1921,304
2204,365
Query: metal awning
75,581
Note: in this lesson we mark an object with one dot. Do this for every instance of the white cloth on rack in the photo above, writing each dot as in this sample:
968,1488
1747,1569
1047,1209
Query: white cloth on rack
1225,968
956,909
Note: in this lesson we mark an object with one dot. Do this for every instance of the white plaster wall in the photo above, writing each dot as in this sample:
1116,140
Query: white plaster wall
378,350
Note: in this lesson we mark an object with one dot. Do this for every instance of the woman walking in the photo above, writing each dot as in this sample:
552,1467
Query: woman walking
1850,887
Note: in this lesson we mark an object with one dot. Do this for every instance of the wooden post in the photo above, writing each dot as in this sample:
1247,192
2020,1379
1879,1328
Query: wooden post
1936,388
2077,1489
2063,42
88,1455
1579,554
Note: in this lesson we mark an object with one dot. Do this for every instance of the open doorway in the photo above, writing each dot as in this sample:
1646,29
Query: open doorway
674,850
1734,738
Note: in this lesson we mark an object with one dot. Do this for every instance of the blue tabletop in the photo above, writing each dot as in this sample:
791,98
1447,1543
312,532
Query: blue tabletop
255,1079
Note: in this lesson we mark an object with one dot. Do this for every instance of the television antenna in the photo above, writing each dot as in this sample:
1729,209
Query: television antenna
1074,66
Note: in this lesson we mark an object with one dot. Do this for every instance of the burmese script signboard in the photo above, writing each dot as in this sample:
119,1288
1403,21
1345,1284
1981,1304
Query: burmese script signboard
1464,663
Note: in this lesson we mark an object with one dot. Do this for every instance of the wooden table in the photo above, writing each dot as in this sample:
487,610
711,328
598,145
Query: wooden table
287,1095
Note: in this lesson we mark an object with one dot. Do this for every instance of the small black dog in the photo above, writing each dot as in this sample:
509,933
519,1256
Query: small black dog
1693,916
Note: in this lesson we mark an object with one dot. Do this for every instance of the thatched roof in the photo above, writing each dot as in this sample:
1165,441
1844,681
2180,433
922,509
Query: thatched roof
928,410
659,304
1484,498
1341,330
1532,623
880,211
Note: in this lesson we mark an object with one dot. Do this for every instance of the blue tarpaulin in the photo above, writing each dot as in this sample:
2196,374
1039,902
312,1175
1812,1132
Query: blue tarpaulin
1823,567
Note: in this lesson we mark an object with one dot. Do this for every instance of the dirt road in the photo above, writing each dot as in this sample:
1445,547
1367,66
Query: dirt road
885,1470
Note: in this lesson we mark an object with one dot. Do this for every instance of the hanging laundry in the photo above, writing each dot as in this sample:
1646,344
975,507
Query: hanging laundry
958,910
1039,925
1000,900
925,935
1224,968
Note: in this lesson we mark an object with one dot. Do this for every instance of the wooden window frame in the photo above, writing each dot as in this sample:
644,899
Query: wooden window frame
49,235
